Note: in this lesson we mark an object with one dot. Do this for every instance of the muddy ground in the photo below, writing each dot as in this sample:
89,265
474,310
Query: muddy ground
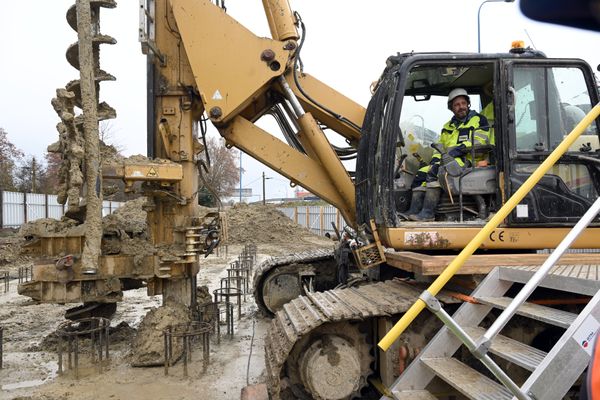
31,361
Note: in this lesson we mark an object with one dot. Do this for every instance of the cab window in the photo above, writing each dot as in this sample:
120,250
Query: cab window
425,105
549,103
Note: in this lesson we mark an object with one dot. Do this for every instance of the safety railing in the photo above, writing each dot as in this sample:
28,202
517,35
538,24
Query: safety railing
428,296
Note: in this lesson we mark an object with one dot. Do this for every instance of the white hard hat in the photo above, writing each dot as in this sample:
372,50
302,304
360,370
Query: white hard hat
455,93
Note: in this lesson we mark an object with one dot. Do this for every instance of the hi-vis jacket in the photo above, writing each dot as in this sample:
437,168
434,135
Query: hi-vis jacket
455,133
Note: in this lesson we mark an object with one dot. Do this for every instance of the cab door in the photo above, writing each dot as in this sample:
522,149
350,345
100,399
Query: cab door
545,99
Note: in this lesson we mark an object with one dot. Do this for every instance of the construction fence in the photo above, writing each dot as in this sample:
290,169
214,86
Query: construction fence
18,208
316,218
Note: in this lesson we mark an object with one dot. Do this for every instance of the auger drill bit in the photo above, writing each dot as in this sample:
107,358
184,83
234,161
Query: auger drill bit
80,171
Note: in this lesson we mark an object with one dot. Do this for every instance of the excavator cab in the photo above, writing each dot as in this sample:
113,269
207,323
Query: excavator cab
531,103
476,184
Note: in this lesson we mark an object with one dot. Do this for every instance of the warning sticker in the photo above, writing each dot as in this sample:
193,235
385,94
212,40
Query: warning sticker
586,334
217,95
152,172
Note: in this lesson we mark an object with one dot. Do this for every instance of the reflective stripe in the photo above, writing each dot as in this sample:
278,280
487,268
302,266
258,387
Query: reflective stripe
482,137
454,133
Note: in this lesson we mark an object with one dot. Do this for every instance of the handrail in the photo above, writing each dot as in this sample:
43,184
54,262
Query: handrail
474,244
540,274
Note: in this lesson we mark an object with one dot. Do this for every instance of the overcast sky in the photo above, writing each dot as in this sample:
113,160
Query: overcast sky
346,47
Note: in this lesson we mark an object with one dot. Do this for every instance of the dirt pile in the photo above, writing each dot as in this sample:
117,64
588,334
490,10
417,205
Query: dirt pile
148,345
130,217
203,295
121,333
10,252
126,231
261,224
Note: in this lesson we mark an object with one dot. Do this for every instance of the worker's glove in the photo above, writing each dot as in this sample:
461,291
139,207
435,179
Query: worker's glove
458,151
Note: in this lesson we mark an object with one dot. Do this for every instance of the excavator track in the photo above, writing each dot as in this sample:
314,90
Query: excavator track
304,314
294,265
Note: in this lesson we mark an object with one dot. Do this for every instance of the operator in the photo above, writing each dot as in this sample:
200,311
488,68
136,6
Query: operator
456,138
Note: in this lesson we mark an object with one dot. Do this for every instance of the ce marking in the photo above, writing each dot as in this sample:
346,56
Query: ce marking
499,236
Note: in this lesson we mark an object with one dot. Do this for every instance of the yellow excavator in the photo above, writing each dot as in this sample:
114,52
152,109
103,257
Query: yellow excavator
330,308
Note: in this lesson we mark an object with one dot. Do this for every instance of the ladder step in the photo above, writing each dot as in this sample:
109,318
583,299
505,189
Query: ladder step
414,395
466,380
582,279
509,349
548,315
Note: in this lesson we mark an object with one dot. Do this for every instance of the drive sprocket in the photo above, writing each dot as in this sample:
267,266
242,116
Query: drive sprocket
331,363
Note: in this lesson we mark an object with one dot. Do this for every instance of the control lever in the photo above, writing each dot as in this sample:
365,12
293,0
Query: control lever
418,157
452,167
399,166
446,158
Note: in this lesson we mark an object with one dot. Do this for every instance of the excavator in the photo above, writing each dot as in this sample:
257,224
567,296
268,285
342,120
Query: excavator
330,308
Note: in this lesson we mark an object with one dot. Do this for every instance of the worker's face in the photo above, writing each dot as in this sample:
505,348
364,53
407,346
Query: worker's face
460,107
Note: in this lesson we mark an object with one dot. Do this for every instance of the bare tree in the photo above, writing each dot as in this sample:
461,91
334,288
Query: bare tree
108,136
223,169
10,156
49,179
29,176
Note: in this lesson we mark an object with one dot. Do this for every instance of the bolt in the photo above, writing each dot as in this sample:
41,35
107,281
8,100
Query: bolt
274,66
267,55
289,46
216,112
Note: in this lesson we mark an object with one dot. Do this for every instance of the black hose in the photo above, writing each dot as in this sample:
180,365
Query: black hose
376,152
298,67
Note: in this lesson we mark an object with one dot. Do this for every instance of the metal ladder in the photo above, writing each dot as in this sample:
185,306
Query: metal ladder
552,373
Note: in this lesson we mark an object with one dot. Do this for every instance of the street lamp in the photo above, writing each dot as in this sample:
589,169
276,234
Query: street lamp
479,16
263,179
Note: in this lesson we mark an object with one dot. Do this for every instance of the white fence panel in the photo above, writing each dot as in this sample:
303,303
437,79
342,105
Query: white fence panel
302,216
289,212
314,220
109,206
18,208
332,215
55,209
317,219
13,209
36,206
